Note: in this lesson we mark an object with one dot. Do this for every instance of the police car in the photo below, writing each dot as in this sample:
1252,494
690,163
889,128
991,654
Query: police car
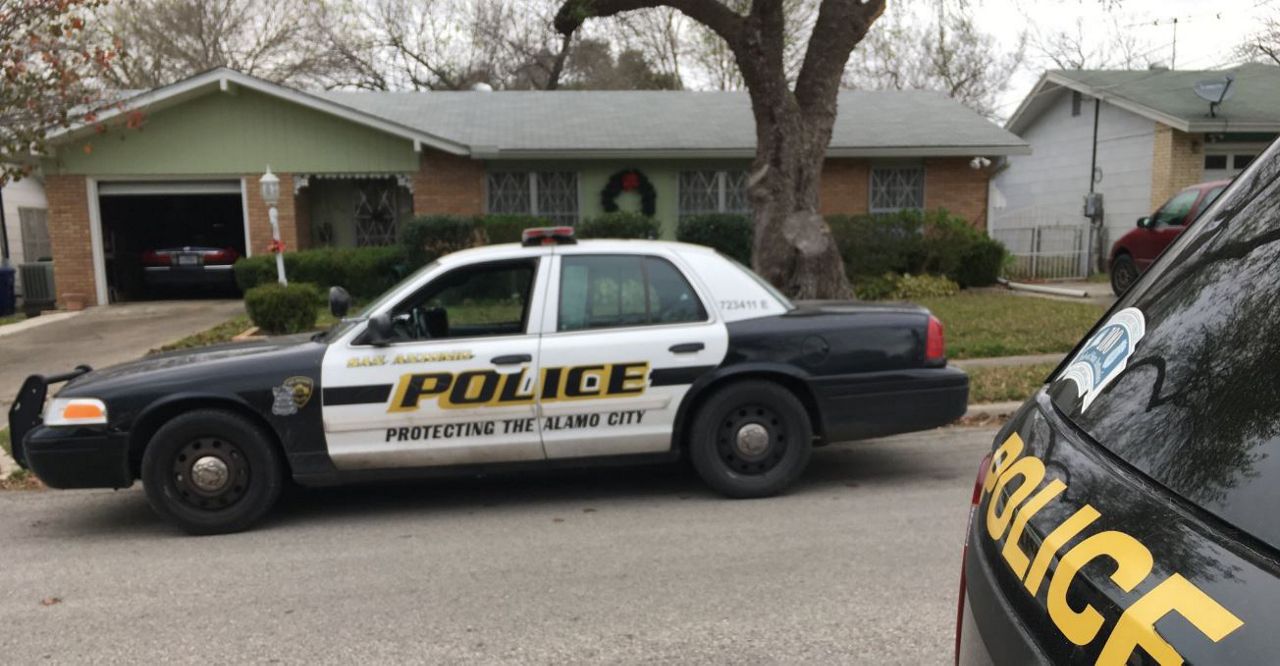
1128,512
548,352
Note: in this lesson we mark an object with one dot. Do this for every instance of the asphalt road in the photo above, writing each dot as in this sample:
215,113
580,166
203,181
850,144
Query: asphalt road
859,564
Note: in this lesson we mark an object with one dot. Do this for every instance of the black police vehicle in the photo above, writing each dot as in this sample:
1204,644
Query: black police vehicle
545,353
1128,512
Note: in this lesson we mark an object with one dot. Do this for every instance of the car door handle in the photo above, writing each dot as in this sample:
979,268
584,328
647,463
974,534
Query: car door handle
511,359
686,348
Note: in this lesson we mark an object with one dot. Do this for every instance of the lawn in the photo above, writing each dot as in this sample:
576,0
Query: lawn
4,442
12,319
1006,382
982,324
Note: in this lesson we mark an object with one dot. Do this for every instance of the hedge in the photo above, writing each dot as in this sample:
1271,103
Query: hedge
277,309
727,233
365,272
507,228
618,225
914,243
432,236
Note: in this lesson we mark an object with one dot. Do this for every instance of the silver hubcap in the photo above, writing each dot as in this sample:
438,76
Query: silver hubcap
209,473
753,439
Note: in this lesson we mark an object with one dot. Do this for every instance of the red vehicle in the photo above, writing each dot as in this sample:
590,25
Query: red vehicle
1134,252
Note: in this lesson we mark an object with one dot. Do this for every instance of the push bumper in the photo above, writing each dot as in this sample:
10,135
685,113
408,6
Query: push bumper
79,457
887,403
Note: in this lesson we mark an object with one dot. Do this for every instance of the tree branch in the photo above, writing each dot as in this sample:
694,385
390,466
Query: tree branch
719,18
840,26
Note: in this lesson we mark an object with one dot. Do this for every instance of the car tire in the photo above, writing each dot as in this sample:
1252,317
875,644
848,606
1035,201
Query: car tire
212,471
751,439
1124,272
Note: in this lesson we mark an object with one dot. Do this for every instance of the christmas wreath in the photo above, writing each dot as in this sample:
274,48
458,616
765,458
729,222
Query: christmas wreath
629,180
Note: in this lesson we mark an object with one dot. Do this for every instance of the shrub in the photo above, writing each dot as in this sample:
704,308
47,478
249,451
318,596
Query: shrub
726,233
915,243
876,287
981,263
365,272
618,225
276,308
507,228
912,287
429,237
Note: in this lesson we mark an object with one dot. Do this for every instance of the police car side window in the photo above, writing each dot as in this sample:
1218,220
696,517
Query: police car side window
471,301
609,291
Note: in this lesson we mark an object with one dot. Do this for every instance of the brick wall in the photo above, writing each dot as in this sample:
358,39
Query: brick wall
949,183
843,188
69,238
1177,161
448,185
259,220
302,218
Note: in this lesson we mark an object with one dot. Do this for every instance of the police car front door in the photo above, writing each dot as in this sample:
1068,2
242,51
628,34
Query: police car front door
624,336
456,385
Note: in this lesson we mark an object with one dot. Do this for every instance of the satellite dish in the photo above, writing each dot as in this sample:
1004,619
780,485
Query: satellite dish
1216,91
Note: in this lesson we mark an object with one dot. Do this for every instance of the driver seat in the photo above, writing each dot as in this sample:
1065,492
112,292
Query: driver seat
437,322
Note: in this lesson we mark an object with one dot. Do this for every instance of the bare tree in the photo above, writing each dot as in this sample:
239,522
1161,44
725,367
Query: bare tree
168,40
794,248
50,73
1111,47
1264,44
661,36
946,52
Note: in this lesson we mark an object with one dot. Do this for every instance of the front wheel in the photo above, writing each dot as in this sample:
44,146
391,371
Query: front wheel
751,439
211,472
1124,272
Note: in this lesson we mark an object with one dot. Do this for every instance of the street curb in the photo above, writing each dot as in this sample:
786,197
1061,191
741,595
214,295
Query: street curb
36,322
992,409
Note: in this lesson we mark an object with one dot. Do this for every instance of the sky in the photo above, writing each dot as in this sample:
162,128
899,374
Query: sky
1207,31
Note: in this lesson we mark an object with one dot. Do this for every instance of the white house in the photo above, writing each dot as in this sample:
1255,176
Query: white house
25,221
1155,136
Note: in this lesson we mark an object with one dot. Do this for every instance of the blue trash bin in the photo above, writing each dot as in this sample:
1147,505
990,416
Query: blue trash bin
7,299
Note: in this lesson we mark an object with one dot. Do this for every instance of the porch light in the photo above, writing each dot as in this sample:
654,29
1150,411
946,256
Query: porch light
270,188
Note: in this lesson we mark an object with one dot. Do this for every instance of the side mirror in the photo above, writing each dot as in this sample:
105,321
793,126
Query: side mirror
1144,222
339,302
378,333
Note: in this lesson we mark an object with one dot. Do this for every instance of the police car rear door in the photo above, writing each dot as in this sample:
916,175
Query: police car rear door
624,336
457,383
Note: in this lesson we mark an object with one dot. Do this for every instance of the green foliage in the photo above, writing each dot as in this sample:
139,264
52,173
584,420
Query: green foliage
911,287
726,233
875,287
618,225
914,243
276,308
365,272
507,228
432,236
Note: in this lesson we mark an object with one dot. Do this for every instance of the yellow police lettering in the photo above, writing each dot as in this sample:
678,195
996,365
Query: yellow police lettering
488,388
1012,553
1002,458
1133,563
1137,625
1082,518
1031,471
413,388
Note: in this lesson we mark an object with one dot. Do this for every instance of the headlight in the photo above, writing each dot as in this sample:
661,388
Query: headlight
75,411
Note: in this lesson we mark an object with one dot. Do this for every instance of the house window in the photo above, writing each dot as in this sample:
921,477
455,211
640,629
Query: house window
376,213
1241,161
1215,161
708,191
549,194
897,188
1076,100
35,234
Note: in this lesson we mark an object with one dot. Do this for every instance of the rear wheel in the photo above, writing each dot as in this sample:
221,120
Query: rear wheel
751,439
1124,272
211,472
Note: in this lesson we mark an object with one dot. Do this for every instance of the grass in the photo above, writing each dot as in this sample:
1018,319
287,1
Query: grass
1006,382
221,333
983,324
4,442
12,319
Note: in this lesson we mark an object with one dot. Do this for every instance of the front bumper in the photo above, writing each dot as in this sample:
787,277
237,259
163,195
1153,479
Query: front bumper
886,403
79,457
178,276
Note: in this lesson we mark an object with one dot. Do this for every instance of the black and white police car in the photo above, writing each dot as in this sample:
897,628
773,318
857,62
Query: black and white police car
549,352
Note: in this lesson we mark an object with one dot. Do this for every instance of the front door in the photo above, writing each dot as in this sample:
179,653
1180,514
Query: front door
624,337
456,385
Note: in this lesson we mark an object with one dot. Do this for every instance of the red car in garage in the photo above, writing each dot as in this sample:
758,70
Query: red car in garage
1134,252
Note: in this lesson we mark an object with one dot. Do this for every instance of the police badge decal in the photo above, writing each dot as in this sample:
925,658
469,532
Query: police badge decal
293,394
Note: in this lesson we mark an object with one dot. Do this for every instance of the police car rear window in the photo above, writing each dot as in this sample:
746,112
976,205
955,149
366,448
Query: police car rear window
1181,380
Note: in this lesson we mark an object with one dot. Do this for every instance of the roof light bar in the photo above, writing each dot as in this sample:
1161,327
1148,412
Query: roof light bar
547,236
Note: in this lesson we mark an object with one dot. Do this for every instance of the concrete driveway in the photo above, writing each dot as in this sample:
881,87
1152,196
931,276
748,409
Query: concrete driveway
860,563
102,336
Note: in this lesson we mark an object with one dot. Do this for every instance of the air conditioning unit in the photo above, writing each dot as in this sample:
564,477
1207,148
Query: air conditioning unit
37,286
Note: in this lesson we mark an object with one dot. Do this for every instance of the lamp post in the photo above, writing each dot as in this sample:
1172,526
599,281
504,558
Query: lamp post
271,196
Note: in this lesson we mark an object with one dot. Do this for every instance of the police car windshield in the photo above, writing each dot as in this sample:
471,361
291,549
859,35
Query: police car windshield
1180,381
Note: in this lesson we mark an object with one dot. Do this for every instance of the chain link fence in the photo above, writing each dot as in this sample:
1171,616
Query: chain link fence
1043,249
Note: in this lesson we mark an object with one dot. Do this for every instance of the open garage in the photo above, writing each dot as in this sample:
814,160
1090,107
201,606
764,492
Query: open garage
171,239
